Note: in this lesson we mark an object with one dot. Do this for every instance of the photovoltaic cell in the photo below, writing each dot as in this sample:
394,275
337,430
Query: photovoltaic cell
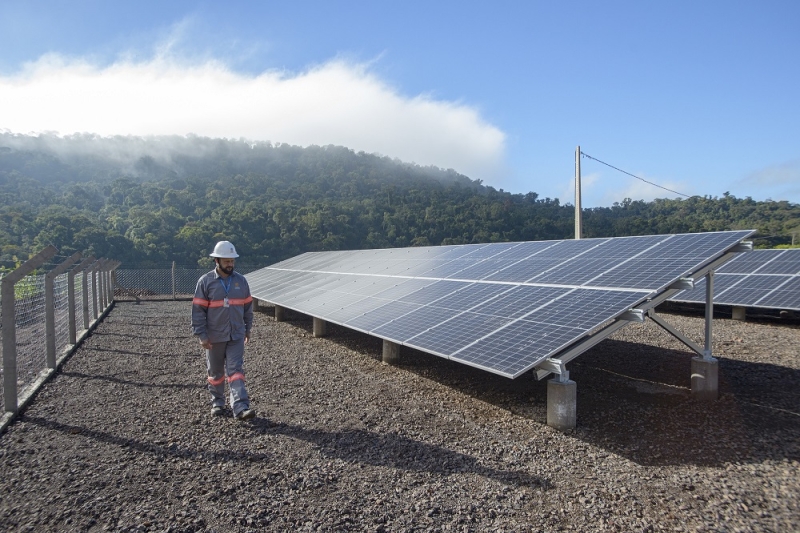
444,269
525,269
585,309
403,288
786,264
721,283
502,307
603,259
351,308
767,279
750,262
374,318
787,296
480,270
448,337
520,301
432,292
750,288
409,325
472,295
517,348
333,301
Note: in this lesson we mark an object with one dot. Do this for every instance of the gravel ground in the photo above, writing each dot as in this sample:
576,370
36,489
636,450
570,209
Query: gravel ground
121,439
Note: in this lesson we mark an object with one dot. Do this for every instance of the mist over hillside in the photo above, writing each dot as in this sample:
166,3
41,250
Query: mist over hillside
50,158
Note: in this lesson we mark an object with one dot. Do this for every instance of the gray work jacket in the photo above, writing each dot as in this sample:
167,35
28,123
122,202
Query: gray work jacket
214,321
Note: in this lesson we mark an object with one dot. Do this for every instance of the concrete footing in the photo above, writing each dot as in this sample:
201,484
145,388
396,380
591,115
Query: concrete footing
391,353
320,327
739,313
705,378
562,404
280,313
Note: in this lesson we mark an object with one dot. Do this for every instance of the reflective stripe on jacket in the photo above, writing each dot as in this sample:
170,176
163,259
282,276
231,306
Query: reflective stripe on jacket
211,320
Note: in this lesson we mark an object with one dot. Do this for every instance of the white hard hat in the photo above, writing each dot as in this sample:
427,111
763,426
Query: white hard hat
225,250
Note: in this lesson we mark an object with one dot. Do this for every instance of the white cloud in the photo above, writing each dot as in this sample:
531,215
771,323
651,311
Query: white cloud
777,182
339,102
588,190
787,173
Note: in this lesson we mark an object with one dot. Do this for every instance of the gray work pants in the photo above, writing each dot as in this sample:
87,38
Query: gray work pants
225,362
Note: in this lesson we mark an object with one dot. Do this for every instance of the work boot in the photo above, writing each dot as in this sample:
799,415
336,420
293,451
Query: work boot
247,414
217,410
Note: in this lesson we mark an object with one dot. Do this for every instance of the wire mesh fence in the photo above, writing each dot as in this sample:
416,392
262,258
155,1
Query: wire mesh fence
61,307
41,314
163,282
88,303
31,350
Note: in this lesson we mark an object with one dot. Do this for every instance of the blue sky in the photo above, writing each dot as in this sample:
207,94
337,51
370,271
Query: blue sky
698,97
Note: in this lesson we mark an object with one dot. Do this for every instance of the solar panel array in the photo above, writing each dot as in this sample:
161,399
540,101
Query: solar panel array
762,278
501,307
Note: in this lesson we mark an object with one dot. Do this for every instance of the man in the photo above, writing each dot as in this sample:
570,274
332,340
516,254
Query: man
222,317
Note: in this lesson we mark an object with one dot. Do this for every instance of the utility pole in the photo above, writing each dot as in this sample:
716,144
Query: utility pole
578,222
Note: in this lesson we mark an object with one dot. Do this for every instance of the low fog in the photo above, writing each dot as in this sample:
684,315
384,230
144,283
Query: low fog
50,158
337,103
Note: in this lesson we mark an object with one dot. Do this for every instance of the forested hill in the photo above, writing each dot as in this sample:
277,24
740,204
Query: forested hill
162,199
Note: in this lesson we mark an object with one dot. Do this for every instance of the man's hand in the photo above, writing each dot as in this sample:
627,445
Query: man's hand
246,338
205,344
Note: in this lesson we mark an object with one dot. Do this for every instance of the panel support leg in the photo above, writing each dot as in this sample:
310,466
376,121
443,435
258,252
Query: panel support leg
391,353
562,402
320,327
739,313
280,313
705,378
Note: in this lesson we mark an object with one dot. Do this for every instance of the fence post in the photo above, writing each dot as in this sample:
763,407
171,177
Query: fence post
95,297
10,325
174,295
107,283
112,275
73,330
50,307
103,280
85,295
113,280
101,288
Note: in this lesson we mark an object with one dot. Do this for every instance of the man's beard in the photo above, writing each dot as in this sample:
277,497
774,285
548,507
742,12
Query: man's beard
227,270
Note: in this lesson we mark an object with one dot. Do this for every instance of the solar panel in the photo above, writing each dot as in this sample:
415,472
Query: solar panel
502,307
767,279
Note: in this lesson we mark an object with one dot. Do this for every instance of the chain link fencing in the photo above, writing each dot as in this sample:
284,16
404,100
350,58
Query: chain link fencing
30,329
29,319
162,282
39,326
88,304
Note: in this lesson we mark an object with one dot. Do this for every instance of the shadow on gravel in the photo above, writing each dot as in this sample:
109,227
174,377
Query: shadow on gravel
141,324
634,400
121,352
173,450
140,384
391,450
123,335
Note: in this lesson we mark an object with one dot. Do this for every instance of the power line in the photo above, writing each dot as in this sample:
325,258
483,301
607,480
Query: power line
633,176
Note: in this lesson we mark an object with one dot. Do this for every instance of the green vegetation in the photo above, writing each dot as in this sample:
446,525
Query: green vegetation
102,196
